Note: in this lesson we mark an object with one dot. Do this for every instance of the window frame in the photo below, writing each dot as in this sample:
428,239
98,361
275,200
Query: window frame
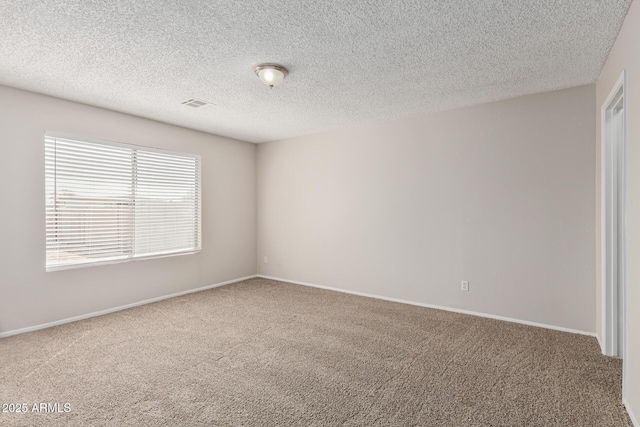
124,259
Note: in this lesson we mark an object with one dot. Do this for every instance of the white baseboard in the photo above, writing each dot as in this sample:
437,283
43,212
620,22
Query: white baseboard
437,307
600,344
634,420
228,282
122,307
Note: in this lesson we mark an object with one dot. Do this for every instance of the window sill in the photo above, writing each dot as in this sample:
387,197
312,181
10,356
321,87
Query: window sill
120,260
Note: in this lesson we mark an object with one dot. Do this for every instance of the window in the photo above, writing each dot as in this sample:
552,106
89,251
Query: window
109,202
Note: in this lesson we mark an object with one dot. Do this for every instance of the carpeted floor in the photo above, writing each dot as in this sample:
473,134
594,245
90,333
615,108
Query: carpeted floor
266,353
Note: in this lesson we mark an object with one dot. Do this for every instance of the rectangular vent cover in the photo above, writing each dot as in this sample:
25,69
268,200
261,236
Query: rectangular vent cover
195,103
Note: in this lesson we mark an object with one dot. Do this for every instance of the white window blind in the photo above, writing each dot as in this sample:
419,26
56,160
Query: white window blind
107,202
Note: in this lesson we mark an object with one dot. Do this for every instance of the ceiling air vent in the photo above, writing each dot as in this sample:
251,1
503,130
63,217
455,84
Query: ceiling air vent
195,103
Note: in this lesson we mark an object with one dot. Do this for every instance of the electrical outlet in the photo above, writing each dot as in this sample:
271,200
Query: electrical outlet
265,259
464,285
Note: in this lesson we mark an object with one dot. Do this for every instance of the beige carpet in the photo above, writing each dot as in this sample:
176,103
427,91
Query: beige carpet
268,353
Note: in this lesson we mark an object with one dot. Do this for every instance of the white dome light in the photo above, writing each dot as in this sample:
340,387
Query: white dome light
271,74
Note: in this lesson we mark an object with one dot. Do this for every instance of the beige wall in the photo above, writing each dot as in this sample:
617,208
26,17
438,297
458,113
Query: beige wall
29,296
500,195
625,56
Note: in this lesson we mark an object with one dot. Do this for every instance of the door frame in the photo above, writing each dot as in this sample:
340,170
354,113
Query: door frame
613,244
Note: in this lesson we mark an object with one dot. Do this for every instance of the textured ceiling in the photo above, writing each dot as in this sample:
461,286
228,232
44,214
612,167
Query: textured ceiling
350,61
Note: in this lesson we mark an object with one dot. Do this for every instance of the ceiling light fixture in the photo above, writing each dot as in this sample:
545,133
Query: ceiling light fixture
271,74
